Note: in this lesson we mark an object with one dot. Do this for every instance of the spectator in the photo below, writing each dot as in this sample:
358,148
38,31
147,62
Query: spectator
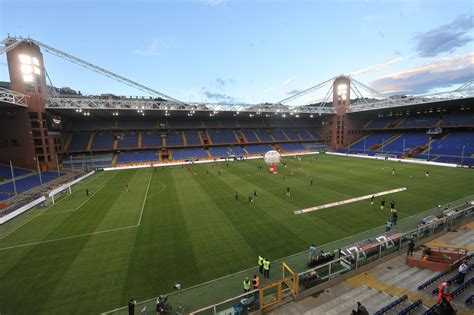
445,308
312,252
131,306
411,247
361,310
444,292
462,272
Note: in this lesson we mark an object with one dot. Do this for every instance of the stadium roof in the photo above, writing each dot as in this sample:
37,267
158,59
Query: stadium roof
366,98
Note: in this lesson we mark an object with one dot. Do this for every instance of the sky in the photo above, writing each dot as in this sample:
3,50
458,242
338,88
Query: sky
250,51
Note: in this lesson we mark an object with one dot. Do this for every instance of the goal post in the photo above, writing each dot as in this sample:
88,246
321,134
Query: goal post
385,156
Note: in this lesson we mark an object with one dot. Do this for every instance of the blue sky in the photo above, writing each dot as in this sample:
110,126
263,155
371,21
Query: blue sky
250,51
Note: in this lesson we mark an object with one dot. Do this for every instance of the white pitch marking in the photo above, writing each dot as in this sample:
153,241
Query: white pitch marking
79,207
158,192
69,237
343,202
144,200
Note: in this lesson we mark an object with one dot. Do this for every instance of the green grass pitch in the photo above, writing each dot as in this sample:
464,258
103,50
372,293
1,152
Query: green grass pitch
89,255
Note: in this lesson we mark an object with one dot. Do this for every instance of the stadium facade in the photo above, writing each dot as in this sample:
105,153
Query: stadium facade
45,128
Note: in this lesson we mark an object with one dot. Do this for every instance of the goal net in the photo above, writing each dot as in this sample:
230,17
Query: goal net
385,155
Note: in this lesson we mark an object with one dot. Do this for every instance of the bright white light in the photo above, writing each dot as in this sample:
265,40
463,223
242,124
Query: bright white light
311,116
36,61
344,97
26,69
342,87
37,70
26,60
28,77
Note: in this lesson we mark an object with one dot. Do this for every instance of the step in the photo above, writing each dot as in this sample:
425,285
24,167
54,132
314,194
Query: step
333,303
403,276
350,304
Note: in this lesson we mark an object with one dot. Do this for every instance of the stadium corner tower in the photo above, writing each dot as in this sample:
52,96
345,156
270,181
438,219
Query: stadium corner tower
32,145
337,132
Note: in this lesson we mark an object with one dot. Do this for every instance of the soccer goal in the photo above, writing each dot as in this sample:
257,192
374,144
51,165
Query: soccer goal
385,156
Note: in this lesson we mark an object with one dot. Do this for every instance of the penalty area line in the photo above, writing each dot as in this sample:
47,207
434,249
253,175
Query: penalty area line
78,207
68,237
346,201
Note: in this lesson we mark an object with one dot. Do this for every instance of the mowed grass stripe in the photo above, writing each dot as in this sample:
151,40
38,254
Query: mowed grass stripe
193,231
163,252
124,210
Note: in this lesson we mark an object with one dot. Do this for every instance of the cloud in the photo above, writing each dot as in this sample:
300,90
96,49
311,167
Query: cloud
445,38
153,49
288,81
442,72
379,67
293,92
215,3
269,89
217,97
222,83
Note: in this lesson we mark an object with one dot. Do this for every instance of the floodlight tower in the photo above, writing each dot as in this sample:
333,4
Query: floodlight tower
337,132
34,145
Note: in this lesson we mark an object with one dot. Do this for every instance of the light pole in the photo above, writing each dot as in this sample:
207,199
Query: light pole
429,147
39,171
13,177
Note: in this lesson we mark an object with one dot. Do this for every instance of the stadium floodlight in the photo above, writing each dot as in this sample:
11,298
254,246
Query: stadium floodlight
26,69
24,59
311,116
28,77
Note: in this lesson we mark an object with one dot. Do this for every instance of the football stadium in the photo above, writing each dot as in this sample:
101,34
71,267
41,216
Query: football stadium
359,202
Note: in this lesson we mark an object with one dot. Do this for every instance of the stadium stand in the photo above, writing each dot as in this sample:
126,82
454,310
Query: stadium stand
406,142
135,124
458,119
292,147
237,151
379,123
151,139
192,137
420,121
26,183
249,135
191,153
174,138
219,151
258,148
222,136
103,141
264,135
390,287
79,141
372,142
129,140
278,135
5,172
137,157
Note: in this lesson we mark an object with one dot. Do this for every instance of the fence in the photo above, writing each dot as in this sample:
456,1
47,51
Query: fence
201,297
